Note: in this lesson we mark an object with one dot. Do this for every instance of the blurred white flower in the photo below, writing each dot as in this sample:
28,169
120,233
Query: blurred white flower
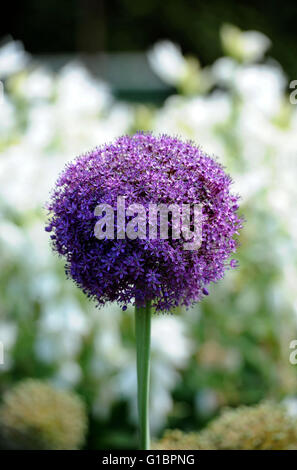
104,399
224,70
41,127
164,378
167,60
107,340
45,286
167,358
77,92
26,177
195,118
206,402
291,405
254,45
11,239
8,335
45,349
261,86
37,84
13,58
7,115
64,316
247,46
178,349
68,375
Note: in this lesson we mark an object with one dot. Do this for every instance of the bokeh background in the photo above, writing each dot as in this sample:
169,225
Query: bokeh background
75,74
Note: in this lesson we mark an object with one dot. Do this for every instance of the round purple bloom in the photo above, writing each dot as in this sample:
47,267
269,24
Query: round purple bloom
146,170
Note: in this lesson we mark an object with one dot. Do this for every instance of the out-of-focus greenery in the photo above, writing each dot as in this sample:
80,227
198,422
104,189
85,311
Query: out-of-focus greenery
231,349
126,25
36,416
262,427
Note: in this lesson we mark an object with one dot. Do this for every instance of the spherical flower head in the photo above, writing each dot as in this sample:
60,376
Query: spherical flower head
266,426
145,170
36,416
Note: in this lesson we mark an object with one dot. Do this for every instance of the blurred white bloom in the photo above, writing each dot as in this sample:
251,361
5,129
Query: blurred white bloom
254,45
64,316
16,178
45,349
206,402
167,357
81,133
246,46
7,115
41,128
291,405
261,86
249,185
55,347
37,84
26,175
45,286
8,334
104,399
107,340
13,58
224,70
126,385
168,62
61,330
109,347
68,375
178,349
11,239
195,118
164,377
117,122
115,386
77,92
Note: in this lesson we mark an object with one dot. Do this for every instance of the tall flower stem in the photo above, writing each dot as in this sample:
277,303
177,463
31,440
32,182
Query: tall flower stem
143,341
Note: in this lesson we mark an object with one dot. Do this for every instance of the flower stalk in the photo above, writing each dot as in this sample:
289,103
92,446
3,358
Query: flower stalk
143,341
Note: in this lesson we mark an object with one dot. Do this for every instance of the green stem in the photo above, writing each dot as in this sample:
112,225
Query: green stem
143,340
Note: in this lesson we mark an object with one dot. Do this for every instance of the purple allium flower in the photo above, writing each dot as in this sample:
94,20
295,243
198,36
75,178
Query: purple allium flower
145,169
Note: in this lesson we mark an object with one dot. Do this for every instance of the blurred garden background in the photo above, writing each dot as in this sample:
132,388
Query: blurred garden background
77,74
